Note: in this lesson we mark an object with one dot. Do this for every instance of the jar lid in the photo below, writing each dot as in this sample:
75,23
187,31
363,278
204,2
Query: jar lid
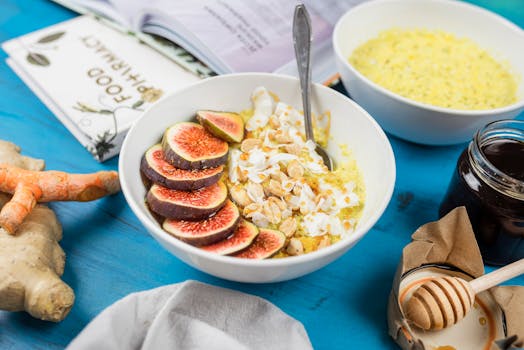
499,131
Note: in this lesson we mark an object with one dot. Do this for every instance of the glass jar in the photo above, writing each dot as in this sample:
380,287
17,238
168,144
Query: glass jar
489,182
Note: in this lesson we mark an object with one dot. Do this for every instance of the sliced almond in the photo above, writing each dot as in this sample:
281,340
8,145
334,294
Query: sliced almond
251,209
282,137
242,174
278,202
297,189
295,247
272,212
275,188
294,169
239,195
255,191
249,144
288,227
293,149
279,176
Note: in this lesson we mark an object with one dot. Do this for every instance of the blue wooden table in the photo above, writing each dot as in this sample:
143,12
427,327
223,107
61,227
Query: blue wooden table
109,253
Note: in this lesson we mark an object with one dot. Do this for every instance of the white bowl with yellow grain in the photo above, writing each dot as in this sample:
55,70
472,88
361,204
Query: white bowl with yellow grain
432,71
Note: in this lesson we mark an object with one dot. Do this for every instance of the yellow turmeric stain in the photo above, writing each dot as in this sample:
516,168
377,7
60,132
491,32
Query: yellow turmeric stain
436,68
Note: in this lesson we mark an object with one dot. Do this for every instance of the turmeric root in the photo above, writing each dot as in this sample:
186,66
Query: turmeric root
29,187
30,265
32,261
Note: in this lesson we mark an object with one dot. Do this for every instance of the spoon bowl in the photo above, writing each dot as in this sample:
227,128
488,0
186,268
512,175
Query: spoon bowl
328,161
302,38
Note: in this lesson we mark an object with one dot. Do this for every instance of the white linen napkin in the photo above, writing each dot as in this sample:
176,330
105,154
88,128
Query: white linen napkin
192,315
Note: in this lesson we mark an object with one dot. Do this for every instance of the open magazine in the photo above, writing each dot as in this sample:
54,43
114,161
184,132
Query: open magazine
228,36
96,80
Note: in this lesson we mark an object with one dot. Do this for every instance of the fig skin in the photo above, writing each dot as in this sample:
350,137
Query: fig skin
207,231
179,179
211,158
181,208
227,126
243,236
266,244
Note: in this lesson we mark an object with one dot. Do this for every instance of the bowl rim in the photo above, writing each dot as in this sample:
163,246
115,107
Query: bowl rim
444,110
158,233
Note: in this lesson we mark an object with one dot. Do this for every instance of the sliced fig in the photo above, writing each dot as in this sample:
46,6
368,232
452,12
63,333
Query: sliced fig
266,244
241,238
189,146
208,231
227,126
156,169
187,205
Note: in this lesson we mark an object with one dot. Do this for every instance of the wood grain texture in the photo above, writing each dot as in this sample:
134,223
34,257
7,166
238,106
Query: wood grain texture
109,253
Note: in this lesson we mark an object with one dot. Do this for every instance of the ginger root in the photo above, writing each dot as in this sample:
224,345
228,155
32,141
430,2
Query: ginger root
10,154
32,261
29,187
30,265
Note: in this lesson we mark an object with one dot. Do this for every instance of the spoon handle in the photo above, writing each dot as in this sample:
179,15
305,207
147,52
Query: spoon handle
498,276
302,39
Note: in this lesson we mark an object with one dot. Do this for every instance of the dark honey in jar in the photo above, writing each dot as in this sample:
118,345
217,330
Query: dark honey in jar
489,182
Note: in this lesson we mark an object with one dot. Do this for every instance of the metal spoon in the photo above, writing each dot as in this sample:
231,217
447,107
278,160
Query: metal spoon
302,38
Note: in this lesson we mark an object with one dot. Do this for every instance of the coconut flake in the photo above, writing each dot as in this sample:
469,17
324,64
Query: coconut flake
307,199
256,177
339,199
316,167
296,136
234,159
318,224
263,108
293,201
281,157
289,116
260,219
288,185
257,158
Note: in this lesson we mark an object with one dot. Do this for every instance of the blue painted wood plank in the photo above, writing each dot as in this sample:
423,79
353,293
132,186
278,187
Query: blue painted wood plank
109,253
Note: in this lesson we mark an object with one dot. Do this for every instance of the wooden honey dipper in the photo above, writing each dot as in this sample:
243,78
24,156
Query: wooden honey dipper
443,301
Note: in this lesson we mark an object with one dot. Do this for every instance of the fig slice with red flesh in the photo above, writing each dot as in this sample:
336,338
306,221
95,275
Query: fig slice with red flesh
189,146
241,238
266,244
187,205
156,169
227,126
208,231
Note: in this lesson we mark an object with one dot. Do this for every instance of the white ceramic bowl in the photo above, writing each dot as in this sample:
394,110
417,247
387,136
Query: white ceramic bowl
350,125
408,119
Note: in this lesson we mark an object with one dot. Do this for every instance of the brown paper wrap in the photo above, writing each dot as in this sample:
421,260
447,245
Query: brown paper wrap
451,241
